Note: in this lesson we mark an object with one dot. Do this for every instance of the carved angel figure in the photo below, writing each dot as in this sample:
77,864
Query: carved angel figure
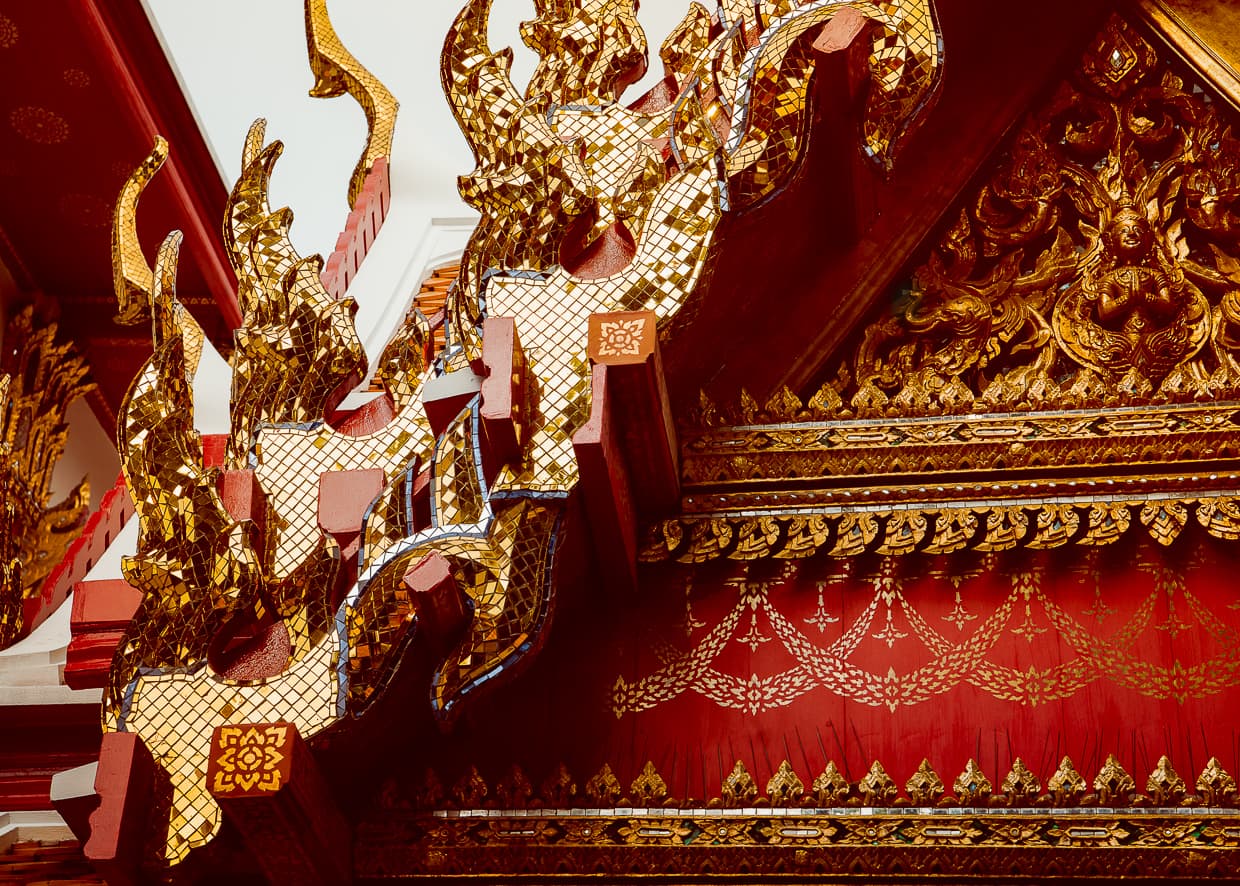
1133,313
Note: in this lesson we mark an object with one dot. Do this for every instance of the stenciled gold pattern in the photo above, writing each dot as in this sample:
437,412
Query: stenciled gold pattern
825,664
39,378
248,758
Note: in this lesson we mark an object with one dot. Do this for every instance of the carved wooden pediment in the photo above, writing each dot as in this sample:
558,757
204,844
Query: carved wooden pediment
1063,364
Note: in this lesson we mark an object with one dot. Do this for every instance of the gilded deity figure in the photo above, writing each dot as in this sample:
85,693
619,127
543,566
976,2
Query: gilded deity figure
1134,314
1136,294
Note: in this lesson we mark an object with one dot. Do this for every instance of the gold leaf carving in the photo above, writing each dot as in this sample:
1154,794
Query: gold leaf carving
830,788
739,788
953,530
1113,784
1165,786
1056,525
1164,520
855,534
804,537
1107,523
1066,785
559,790
1089,268
1005,527
603,789
1220,517
925,788
1215,784
785,788
905,531
755,539
1021,787
877,788
648,788
972,787
471,790
708,540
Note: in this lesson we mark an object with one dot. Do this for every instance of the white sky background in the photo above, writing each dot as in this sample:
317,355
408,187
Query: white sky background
241,59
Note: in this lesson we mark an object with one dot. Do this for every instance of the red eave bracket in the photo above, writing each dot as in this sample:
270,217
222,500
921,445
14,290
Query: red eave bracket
627,450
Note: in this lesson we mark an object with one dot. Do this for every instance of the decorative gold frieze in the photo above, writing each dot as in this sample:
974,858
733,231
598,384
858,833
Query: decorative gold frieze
785,794
983,526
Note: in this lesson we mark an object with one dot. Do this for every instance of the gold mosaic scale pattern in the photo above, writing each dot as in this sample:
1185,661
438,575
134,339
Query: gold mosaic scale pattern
177,713
553,315
297,345
904,63
336,71
289,461
504,572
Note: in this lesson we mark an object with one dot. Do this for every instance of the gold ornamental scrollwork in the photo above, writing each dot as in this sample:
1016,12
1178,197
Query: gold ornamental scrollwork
39,378
1099,264
1045,525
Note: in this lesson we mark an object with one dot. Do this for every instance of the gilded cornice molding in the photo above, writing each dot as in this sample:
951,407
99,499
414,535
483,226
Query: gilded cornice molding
1206,35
